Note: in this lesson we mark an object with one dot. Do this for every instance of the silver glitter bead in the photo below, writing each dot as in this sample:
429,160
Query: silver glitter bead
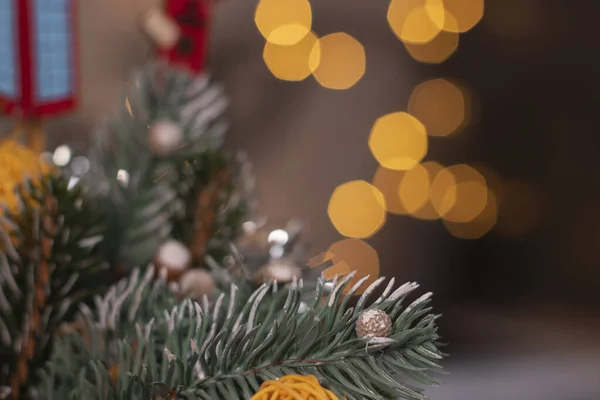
373,323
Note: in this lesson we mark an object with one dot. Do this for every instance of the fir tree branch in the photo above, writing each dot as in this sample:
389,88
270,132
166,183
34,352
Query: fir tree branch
150,197
47,260
205,215
218,194
226,350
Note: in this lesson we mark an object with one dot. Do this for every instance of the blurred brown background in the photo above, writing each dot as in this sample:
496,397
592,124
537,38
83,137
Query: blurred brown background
531,65
529,298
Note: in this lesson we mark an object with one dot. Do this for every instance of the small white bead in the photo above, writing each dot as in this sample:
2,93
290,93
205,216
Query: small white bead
173,256
196,283
164,137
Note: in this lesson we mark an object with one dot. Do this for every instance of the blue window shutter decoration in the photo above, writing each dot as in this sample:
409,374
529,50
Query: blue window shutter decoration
52,45
8,50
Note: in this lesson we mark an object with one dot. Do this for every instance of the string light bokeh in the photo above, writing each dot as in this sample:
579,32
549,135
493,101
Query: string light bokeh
290,62
283,22
338,61
293,51
353,255
416,21
357,209
470,201
430,29
436,51
440,105
398,141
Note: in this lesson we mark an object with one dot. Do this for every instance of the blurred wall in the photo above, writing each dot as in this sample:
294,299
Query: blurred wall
304,140
532,68
110,46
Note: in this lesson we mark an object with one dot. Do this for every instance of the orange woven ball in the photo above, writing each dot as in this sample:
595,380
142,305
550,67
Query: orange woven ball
16,163
294,387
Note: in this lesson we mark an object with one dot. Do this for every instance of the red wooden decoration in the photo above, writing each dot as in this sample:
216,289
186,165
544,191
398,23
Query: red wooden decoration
193,17
39,74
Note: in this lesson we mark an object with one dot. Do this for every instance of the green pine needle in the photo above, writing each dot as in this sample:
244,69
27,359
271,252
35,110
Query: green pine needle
148,198
50,264
226,350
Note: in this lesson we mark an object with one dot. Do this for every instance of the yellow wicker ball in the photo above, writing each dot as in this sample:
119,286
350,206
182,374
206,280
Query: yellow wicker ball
294,387
17,162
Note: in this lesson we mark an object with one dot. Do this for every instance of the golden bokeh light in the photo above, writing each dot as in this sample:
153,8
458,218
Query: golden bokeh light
427,211
443,192
290,63
410,196
480,225
283,22
338,61
388,182
357,209
520,210
471,198
353,255
459,193
398,141
414,188
416,21
440,105
467,14
438,50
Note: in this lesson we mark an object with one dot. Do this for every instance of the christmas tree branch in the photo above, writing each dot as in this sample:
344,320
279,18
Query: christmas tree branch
151,162
205,215
38,280
47,260
226,351
218,202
